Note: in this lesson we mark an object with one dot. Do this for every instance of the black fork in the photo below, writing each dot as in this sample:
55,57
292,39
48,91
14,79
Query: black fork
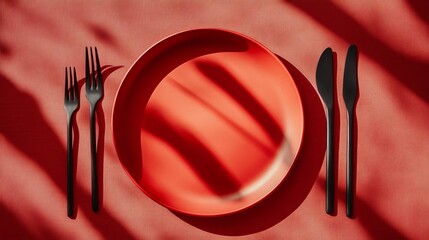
94,92
71,105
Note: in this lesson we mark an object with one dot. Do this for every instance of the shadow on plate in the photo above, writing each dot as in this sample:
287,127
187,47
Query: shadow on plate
294,189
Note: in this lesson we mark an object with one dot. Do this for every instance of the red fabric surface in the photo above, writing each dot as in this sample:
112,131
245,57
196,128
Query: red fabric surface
39,38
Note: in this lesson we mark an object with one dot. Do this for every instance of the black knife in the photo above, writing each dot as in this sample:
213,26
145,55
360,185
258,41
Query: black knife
350,92
325,86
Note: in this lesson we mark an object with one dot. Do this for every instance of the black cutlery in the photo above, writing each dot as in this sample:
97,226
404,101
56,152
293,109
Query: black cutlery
94,92
350,92
325,86
71,105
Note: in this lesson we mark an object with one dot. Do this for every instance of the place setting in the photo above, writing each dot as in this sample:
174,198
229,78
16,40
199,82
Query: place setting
213,126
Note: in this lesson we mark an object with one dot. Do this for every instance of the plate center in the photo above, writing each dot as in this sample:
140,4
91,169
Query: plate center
214,127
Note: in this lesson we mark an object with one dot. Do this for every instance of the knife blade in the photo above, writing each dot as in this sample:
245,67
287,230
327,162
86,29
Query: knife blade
325,86
350,93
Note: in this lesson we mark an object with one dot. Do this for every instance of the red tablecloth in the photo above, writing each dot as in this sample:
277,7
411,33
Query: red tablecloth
39,38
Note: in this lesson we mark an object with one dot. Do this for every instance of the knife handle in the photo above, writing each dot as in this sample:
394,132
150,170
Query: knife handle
330,167
350,185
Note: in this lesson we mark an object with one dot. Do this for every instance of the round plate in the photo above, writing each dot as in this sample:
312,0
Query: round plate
207,122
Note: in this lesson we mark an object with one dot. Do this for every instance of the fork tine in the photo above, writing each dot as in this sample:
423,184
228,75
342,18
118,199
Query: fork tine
87,73
94,83
93,94
66,93
76,88
71,92
99,76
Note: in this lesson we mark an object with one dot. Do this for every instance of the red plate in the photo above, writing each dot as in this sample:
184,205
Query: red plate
207,122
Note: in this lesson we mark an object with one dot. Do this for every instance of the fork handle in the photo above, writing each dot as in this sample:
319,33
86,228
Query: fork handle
350,185
330,166
94,175
70,190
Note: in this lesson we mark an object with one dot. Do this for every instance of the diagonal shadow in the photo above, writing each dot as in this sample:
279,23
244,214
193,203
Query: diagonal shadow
420,8
102,34
373,223
5,50
257,142
11,225
222,78
20,115
204,163
410,71
290,194
43,145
